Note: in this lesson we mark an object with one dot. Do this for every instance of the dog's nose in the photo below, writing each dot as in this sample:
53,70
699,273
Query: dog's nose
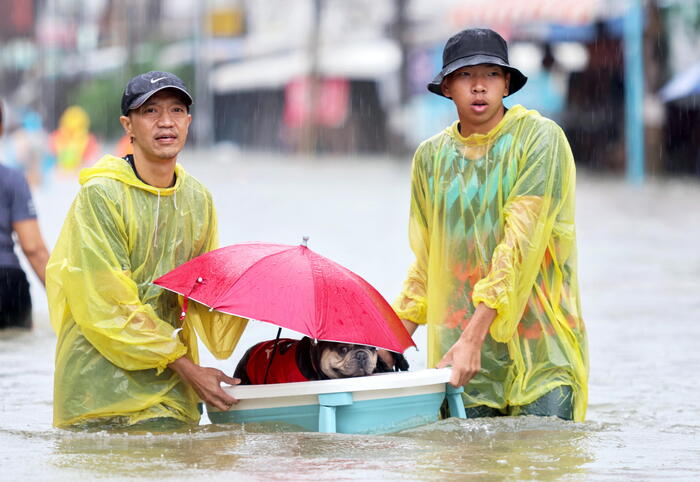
361,355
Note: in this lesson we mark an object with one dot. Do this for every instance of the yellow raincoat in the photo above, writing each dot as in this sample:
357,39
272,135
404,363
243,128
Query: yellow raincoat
116,331
492,221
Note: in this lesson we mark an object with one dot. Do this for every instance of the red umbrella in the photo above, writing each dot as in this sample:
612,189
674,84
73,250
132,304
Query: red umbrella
292,287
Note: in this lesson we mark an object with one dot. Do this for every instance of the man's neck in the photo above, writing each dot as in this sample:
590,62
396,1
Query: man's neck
159,174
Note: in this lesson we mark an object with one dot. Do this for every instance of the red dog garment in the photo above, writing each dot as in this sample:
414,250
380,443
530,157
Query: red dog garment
284,367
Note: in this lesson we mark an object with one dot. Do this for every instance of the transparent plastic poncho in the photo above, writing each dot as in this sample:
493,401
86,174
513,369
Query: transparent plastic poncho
116,331
492,221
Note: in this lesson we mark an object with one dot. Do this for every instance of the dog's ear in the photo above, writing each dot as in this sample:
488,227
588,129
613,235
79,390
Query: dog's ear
309,359
381,366
400,364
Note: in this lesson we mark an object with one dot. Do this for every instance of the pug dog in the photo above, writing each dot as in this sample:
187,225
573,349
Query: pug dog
286,360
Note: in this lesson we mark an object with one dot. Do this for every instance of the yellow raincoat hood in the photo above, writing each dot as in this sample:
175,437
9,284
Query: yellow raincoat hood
492,221
116,331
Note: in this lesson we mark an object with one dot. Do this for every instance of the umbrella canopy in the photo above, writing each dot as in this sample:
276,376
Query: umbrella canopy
292,287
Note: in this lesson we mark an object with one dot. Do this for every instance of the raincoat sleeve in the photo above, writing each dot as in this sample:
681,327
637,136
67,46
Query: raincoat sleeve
218,331
545,183
411,303
92,269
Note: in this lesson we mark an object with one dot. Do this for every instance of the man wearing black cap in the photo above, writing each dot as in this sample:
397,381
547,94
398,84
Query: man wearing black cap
123,356
492,228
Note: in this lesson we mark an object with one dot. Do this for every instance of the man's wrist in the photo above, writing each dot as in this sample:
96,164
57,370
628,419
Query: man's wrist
473,336
181,365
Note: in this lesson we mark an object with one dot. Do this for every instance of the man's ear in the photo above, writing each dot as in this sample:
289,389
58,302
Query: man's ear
445,88
507,84
126,124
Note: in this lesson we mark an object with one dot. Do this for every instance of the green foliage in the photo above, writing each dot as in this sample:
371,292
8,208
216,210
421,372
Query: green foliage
101,99
101,96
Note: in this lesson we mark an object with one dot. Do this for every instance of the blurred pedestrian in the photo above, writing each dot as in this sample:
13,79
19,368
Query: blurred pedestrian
72,143
492,229
26,146
123,355
18,216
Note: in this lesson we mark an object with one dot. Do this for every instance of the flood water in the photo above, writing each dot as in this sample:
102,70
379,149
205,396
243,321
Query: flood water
640,281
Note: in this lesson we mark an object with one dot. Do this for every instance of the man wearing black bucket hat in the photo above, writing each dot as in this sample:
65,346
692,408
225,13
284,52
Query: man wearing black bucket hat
492,228
123,357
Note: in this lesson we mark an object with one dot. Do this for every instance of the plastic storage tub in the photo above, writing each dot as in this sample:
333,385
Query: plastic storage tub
380,403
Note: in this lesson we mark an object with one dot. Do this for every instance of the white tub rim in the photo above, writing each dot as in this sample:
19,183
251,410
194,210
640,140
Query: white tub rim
379,381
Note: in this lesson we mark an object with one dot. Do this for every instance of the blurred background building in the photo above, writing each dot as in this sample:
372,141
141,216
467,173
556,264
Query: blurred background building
349,76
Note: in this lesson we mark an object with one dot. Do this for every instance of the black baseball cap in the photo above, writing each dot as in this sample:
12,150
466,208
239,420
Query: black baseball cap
476,46
142,87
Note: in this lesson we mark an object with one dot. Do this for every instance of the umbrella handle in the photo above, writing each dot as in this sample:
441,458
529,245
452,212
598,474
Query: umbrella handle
184,308
272,355
186,298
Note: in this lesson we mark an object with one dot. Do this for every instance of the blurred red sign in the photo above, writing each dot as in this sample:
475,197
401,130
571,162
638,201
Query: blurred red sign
327,106
18,19
504,14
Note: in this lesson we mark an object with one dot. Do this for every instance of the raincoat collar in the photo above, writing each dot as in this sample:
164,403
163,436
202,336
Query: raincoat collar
113,167
512,114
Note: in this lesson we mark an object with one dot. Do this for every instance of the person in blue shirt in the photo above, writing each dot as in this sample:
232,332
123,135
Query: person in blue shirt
18,218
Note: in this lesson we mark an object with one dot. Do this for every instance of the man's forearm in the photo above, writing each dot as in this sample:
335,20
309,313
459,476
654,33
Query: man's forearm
38,260
181,366
32,245
465,355
479,324
410,326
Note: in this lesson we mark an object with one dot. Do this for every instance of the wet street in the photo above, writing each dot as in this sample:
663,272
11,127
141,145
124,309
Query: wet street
639,271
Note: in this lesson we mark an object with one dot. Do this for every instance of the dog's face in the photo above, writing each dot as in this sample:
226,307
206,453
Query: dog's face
343,360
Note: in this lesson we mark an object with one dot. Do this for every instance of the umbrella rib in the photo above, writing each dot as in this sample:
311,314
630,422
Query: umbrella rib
318,271
373,307
314,270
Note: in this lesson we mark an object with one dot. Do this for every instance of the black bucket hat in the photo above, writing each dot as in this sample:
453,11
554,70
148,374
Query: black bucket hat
475,46
142,87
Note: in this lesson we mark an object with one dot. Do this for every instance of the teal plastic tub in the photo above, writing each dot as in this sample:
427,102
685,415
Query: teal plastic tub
381,403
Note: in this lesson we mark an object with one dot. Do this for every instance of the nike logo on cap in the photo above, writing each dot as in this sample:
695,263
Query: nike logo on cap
153,81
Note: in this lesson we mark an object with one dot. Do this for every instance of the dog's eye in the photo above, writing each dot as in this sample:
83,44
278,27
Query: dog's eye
343,350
